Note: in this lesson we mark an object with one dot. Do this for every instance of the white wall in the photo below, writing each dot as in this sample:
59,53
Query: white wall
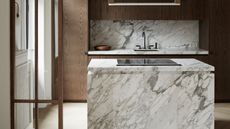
5,64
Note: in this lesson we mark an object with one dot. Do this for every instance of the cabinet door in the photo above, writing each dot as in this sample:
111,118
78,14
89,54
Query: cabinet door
75,34
187,10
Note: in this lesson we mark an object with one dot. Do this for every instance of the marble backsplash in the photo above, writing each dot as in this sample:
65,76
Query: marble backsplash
127,34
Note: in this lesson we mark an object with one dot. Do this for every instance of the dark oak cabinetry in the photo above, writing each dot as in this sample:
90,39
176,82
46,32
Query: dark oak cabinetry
75,39
189,9
219,44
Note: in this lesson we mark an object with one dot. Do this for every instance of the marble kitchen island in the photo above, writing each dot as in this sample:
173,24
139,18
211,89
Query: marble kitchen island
150,97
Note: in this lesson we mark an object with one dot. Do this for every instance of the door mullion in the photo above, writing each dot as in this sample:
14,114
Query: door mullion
36,65
60,64
12,61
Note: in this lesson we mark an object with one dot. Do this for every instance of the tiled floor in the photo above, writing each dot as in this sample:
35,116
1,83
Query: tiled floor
75,116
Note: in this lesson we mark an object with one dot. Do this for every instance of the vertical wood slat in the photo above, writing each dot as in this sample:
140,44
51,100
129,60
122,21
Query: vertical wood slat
177,1
53,49
60,64
36,65
12,60
75,40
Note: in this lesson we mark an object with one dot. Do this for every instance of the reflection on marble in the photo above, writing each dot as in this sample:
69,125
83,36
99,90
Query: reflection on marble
156,99
127,34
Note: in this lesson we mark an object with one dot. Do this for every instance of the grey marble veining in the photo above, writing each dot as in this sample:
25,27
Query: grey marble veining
110,66
127,34
156,99
175,51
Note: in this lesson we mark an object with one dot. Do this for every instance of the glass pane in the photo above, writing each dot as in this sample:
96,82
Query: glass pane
24,54
48,116
47,48
24,116
55,53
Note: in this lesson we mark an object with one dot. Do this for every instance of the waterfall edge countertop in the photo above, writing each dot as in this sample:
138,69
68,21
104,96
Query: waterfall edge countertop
110,65
150,97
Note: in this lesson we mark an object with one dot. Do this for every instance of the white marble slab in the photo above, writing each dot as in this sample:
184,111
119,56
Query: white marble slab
160,52
110,65
126,34
155,99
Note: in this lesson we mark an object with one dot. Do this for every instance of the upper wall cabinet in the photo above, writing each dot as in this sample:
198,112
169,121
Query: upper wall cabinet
144,2
148,9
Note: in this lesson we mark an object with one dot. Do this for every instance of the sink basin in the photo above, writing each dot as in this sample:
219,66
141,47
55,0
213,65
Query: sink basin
146,62
146,49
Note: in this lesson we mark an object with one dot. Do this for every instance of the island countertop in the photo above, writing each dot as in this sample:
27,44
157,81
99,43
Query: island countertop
110,65
175,51
150,97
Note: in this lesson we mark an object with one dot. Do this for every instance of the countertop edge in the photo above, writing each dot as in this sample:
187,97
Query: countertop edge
132,52
109,65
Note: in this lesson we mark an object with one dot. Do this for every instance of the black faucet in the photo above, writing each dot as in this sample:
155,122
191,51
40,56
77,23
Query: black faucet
144,36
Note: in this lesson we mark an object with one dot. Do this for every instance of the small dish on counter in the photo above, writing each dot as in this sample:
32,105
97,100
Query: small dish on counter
102,47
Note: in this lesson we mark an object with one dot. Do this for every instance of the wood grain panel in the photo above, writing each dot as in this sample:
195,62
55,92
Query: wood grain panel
189,9
220,46
222,124
75,40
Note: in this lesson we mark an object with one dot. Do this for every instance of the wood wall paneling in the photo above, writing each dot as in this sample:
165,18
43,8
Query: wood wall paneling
222,124
190,9
75,39
220,46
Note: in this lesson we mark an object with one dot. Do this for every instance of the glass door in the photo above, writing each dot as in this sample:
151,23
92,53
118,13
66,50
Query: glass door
36,64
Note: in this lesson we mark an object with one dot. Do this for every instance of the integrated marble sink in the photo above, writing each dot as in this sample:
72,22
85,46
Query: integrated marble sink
146,62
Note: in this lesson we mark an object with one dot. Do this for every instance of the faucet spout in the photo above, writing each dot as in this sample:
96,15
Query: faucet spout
144,36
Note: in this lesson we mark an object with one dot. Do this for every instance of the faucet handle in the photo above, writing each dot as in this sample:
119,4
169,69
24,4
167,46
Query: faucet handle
151,46
143,34
156,45
138,46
